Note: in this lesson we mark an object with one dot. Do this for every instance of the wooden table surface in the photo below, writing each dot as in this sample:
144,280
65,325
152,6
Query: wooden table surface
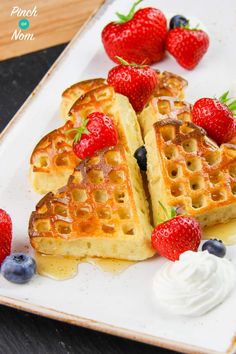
54,22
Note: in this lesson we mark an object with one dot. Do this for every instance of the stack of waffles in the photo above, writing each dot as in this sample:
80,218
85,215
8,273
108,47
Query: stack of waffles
186,169
101,208
98,207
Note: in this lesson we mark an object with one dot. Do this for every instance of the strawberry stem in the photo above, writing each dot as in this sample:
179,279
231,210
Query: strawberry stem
168,215
226,101
187,26
172,212
79,131
164,209
126,18
124,62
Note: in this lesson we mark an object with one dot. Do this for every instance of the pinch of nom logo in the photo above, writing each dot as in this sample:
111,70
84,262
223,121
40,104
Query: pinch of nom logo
23,23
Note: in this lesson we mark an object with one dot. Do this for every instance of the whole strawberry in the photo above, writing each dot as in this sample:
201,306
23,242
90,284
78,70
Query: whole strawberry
175,236
134,81
95,133
216,116
138,37
187,46
5,235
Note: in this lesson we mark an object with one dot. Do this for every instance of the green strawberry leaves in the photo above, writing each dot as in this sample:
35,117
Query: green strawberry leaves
126,18
125,63
168,215
187,26
79,131
226,100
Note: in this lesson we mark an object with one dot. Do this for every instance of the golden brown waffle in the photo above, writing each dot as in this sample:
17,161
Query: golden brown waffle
188,171
53,160
102,211
162,108
170,85
72,93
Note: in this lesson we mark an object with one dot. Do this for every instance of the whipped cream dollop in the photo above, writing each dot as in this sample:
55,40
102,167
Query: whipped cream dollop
194,284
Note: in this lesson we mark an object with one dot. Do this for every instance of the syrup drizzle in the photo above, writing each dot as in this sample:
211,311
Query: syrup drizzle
225,232
62,268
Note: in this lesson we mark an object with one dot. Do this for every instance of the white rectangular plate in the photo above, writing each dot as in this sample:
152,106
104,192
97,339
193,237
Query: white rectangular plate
117,304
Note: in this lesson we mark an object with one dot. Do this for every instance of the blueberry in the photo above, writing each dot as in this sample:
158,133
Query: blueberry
215,247
18,268
141,157
178,21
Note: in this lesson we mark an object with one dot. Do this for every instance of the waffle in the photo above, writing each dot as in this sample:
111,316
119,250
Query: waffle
188,171
163,107
169,85
53,160
102,211
72,93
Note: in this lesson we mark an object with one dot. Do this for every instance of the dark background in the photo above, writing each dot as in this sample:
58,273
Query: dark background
21,332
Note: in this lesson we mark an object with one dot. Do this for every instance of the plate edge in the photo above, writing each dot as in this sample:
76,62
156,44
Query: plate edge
72,319
103,327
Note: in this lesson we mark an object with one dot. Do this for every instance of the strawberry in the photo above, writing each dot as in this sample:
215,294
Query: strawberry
187,45
95,133
5,235
137,82
138,37
176,235
216,117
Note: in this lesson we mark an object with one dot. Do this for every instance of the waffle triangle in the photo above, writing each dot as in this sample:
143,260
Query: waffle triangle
163,107
188,171
169,85
72,93
53,161
102,211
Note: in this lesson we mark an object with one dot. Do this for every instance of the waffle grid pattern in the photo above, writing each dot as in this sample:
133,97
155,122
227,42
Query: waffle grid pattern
55,149
100,99
163,107
198,174
80,88
72,93
170,85
172,108
97,199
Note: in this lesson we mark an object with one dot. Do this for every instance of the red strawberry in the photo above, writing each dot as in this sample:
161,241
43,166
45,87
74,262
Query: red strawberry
187,46
216,117
135,82
175,236
95,133
5,235
138,37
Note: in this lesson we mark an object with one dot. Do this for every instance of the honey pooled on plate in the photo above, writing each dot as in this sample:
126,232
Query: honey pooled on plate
62,268
225,232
